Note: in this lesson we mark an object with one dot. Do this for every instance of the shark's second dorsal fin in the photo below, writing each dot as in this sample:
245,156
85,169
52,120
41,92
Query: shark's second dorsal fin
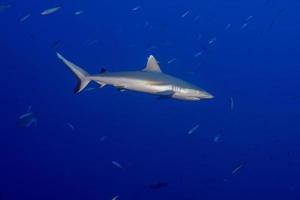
152,65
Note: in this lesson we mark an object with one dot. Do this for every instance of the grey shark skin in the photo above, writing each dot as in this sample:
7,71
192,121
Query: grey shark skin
149,80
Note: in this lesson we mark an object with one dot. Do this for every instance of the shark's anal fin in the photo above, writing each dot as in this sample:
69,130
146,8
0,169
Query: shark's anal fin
152,65
121,89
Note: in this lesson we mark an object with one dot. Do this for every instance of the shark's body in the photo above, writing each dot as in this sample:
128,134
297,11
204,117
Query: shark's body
150,80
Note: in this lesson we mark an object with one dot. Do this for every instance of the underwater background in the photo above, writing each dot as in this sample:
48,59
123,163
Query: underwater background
105,144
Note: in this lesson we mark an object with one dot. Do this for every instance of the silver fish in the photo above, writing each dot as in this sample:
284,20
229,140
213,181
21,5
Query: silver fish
150,80
50,11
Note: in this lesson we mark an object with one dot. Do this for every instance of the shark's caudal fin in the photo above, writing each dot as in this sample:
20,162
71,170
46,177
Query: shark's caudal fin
81,75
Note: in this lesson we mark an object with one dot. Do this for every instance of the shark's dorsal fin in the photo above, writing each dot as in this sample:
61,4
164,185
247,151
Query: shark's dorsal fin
152,65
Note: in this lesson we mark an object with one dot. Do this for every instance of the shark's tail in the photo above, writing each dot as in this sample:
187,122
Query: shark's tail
81,75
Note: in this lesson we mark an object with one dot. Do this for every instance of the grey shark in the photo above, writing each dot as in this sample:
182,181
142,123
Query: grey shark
150,80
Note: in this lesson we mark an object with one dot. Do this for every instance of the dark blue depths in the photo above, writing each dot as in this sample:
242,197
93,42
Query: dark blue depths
247,142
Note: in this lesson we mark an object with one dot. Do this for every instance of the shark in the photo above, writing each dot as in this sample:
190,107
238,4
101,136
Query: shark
149,80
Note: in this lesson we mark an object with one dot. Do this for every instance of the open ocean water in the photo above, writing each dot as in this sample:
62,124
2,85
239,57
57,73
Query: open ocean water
105,144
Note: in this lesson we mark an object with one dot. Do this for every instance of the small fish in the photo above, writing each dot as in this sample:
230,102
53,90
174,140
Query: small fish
249,18
50,11
25,18
244,26
79,12
115,197
228,26
198,54
136,8
4,7
231,103
185,14
116,164
213,40
171,61
237,169
192,130
217,138
103,138
71,126
196,18
27,120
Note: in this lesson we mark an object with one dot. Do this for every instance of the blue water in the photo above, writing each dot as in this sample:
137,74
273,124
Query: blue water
257,66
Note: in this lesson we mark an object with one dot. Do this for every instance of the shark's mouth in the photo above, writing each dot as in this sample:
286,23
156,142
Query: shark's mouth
190,98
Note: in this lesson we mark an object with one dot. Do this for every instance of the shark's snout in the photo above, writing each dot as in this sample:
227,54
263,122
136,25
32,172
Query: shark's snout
209,96
206,95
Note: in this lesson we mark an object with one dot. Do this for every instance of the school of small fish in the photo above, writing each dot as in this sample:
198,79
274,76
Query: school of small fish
29,119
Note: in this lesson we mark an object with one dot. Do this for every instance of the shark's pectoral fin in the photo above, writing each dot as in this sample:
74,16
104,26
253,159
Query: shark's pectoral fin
101,84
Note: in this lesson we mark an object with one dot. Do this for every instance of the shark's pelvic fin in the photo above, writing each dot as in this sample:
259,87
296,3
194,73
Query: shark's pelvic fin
152,65
81,75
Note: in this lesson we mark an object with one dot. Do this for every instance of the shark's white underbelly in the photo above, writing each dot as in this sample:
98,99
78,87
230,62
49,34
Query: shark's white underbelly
139,85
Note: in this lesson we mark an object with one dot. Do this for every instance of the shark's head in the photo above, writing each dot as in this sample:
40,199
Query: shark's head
191,93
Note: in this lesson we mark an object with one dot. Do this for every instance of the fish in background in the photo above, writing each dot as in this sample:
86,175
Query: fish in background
24,18
79,12
185,14
171,60
51,11
136,8
115,197
227,27
4,7
217,138
212,41
27,120
116,164
192,130
71,126
238,168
